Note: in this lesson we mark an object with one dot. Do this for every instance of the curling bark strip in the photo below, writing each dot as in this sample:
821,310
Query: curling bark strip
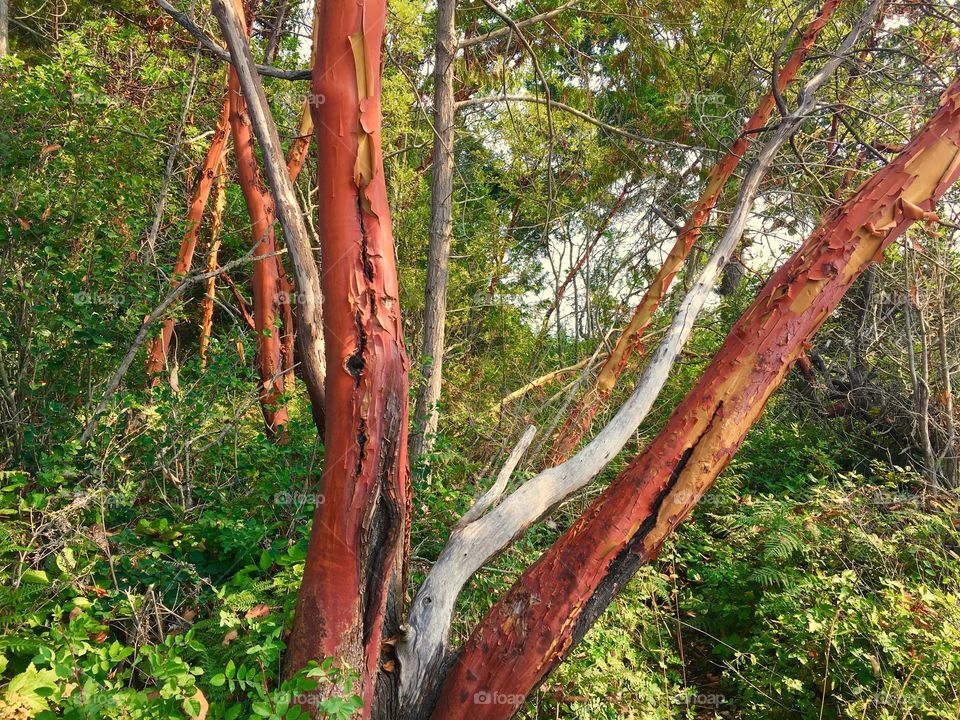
358,541
581,416
553,604
216,218
297,154
159,348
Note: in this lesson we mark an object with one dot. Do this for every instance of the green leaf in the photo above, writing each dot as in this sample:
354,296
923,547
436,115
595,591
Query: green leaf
261,708
31,688
35,577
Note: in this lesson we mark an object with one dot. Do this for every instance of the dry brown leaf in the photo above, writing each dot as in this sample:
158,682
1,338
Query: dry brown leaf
204,705
258,611
230,637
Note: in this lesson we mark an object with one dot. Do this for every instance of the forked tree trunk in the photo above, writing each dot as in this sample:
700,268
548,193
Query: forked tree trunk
441,229
553,604
580,418
356,556
272,290
159,348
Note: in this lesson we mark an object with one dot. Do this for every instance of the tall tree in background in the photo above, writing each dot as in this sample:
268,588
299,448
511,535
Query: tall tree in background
441,229
4,26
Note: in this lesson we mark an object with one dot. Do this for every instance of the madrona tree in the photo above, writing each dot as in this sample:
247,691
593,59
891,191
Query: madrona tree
352,604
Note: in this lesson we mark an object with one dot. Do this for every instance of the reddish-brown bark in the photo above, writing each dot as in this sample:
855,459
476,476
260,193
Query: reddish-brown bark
297,153
216,217
272,290
296,157
157,357
266,276
241,305
581,416
531,628
358,540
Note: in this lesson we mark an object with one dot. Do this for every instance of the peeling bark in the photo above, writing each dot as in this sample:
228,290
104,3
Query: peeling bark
358,543
206,305
159,348
580,418
424,648
267,289
272,290
297,154
550,608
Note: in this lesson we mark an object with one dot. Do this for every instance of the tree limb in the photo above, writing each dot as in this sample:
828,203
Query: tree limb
141,335
503,32
469,548
187,24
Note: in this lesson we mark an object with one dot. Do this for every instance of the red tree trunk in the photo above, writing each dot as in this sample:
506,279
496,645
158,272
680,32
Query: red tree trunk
529,630
358,540
213,251
580,418
296,157
266,276
159,348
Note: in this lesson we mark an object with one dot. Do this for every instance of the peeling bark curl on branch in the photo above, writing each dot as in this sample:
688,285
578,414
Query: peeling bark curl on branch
425,413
